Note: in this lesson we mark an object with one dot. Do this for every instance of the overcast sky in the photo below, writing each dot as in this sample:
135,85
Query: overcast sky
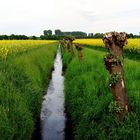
31,17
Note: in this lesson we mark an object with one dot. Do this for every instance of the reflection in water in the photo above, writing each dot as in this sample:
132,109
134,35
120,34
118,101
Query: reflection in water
52,114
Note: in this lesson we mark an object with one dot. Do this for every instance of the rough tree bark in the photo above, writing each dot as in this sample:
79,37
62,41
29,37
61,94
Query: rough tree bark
63,44
69,40
79,48
115,42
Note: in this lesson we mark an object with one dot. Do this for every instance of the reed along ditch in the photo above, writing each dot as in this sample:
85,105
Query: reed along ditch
53,117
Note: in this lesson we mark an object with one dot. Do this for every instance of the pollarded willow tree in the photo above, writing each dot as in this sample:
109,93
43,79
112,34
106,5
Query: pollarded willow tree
69,40
79,48
115,42
63,44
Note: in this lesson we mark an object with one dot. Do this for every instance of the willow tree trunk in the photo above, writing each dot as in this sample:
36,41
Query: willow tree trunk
114,64
79,48
70,47
63,44
69,40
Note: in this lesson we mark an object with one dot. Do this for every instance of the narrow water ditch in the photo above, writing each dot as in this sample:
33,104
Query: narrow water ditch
53,118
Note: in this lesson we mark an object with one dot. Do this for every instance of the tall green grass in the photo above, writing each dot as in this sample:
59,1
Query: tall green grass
88,99
23,79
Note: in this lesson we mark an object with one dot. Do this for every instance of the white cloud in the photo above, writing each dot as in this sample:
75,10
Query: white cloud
33,16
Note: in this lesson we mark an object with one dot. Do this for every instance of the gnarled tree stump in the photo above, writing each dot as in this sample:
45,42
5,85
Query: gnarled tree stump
69,40
115,42
79,48
63,44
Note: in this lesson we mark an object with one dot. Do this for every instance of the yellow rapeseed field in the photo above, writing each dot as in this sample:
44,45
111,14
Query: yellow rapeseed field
132,43
8,47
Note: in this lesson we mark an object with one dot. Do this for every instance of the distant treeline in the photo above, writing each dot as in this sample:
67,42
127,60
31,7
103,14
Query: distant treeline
58,34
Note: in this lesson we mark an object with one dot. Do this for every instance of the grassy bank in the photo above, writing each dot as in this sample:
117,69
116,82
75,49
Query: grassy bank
89,99
23,76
